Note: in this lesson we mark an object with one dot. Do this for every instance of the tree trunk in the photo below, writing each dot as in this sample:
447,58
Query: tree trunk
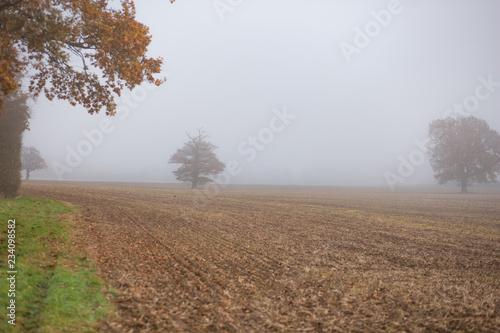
27,174
195,174
464,186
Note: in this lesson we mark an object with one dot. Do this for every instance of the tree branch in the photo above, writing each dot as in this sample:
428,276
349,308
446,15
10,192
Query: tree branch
11,4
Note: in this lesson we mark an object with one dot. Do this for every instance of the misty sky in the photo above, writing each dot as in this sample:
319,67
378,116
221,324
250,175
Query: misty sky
355,104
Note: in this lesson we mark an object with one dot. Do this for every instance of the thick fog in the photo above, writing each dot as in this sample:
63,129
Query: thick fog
314,92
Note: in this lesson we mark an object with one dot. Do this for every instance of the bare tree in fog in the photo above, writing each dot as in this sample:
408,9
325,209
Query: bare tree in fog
32,160
198,161
464,150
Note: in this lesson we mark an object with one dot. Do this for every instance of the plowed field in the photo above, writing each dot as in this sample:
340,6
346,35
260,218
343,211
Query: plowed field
291,259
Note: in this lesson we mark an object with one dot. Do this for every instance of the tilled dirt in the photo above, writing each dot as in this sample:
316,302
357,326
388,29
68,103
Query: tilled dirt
280,259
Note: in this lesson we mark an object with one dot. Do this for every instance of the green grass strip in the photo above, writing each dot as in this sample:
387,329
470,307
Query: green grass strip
57,289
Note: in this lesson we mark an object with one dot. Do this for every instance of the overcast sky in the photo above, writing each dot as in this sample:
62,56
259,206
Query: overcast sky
336,92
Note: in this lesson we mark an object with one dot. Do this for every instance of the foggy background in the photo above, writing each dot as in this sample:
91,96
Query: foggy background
353,120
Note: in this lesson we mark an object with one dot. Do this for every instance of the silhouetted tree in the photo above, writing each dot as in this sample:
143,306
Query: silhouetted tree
464,150
31,160
198,161
13,122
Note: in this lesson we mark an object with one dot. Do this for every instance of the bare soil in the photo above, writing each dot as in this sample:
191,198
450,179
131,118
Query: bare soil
285,259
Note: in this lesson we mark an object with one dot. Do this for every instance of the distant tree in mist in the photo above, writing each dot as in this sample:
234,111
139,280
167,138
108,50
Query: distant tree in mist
464,150
13,122
199,164
31,160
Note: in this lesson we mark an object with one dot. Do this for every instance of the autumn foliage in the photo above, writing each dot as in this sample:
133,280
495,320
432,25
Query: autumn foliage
82,51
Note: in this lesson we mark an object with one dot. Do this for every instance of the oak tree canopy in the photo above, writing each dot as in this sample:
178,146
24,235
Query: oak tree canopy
464,150
199,164
31,160
82,51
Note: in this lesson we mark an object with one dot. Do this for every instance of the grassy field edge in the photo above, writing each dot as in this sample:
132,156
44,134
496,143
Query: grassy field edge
57,288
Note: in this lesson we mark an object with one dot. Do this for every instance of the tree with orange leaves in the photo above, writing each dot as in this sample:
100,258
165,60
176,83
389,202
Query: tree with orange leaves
46,37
